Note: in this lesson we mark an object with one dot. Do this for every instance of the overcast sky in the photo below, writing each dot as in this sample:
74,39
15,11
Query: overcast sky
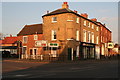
17,14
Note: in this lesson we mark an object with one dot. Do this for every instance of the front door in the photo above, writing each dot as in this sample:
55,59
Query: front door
69,53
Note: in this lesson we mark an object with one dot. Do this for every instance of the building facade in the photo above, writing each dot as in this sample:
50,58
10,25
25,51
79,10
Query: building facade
105,38
65,35
9,44
28,37
77,36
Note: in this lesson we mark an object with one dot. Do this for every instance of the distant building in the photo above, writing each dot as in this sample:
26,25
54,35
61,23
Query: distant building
9,44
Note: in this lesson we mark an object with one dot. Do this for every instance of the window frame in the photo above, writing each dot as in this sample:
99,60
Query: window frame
85,23
77,20
53,36
53,19
24,39
35,37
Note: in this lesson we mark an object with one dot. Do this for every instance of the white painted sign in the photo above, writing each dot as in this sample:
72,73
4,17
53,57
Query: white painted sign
41,43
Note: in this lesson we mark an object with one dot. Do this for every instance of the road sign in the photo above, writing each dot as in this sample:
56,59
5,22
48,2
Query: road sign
41,43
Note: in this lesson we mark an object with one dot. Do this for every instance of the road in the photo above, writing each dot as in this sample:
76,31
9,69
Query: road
79,69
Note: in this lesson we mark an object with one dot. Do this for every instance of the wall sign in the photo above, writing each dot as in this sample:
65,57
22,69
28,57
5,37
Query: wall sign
53,44
41,43
110,45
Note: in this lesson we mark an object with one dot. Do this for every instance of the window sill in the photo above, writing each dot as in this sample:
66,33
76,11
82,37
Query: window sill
54,21
69,20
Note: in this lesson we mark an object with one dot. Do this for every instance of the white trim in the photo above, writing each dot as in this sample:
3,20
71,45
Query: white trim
69,20
69,39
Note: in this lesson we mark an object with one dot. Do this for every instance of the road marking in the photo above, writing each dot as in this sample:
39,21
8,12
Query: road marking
20,75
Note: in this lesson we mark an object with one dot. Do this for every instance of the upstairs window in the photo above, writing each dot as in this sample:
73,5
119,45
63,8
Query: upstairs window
54,19
97,40
84,35
89,24
25,38
35,37
77,20
92,26
97,28
92,37
77,35
89,36
54,35
84,23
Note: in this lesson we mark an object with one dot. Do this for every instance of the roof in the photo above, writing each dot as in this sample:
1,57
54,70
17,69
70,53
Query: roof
103,26
66,10
9,40
31,29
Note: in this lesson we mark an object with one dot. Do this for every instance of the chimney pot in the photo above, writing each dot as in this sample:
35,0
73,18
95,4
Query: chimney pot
84,15
75,11
94,19
65,5
47,12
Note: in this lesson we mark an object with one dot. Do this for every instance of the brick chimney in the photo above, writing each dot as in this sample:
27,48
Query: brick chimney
65,5
10,35
84,15
47,12
75,11
94,19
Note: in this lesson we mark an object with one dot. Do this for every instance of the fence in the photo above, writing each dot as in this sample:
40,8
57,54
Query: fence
45,57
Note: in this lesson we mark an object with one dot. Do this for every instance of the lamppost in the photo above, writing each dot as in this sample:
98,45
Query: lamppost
19,48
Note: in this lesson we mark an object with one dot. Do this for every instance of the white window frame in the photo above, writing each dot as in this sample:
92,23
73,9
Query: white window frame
89,34
77,35
24,39
89,24
52,34
92,26
97,40
77,20
53,19
97,28
85,22
35,37
84,35
92,37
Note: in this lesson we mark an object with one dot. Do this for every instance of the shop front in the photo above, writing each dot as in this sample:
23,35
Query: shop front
87,50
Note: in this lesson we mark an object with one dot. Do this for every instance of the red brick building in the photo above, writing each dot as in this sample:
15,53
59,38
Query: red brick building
105,37
28,36
9,44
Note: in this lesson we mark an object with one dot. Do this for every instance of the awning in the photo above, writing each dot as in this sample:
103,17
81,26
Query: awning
8,47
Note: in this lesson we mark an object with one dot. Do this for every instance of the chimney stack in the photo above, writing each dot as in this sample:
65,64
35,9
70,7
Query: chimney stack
75,11
94,19
84,15
47,12
10,35
65,5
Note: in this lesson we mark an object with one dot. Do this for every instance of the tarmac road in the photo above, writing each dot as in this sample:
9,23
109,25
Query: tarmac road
79,69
